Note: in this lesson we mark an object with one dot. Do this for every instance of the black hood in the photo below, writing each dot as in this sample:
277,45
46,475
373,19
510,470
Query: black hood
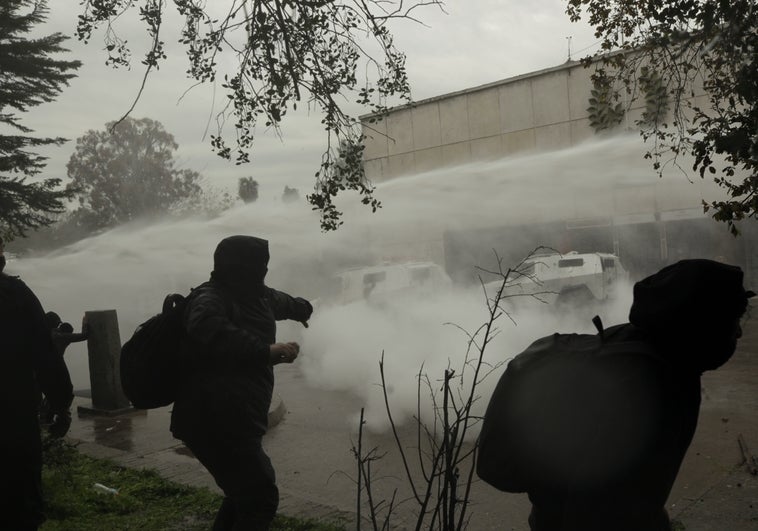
241,262
694,306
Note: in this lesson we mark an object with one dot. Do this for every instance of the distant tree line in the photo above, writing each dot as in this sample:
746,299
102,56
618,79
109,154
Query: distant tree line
127,172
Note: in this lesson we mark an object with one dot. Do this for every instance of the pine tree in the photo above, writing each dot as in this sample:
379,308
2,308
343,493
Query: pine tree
29,76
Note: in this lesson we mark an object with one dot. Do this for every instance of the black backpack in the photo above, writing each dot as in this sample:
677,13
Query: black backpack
573,410
150,358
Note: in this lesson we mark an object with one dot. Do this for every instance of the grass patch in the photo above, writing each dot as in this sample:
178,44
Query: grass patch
145,500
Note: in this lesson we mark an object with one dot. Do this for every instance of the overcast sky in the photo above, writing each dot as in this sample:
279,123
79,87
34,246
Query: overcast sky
473,42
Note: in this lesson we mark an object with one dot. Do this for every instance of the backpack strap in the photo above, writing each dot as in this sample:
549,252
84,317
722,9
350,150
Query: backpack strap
599,326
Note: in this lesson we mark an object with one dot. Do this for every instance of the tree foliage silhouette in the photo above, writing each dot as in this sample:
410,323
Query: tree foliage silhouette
247,188
29,76
127,172
685,48
285,53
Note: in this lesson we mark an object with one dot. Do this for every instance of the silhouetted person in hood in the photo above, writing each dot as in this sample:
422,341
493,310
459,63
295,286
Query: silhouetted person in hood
595,428
62,332
63,335
221,411
29,366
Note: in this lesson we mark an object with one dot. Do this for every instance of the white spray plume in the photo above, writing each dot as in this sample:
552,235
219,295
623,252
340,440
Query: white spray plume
131,268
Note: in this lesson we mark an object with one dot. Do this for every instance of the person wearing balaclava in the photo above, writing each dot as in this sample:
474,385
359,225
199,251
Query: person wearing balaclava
29,365
596,439
227,381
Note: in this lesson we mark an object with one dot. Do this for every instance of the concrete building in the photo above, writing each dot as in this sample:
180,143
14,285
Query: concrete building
543,110
648,224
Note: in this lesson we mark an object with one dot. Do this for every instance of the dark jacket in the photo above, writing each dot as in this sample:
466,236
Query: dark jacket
29,362
595,428
227,380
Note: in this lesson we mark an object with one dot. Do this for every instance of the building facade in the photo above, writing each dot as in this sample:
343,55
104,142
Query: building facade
544,110
648,224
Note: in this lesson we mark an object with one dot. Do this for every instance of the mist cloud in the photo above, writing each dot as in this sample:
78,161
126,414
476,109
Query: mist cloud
132,268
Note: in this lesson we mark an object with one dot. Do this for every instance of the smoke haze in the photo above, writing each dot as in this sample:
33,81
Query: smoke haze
132,268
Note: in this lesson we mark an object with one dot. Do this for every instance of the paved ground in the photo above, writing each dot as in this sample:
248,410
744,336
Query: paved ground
311,450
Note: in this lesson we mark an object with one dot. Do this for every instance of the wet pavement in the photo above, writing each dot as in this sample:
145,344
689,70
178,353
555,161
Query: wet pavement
311,443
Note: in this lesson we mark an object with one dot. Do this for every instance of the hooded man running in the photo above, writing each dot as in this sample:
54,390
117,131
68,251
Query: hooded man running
227,381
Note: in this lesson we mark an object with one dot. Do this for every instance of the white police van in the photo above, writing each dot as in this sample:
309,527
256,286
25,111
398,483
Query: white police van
389,280
572,278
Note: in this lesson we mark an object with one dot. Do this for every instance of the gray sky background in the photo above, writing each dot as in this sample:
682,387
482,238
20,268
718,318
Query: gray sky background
473,42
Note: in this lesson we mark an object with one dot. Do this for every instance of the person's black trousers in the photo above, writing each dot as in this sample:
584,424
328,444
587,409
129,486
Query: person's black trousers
244,473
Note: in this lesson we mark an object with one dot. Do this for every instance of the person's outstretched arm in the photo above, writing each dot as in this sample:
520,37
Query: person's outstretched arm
288,307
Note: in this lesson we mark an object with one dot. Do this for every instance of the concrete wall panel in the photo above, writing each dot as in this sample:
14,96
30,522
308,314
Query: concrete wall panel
400,132
454,120
550,93
376,140
579,92
518,142
487,148
429,159
376,170
516,112
484,113
454,154
426,126
551,137
581,131
403,164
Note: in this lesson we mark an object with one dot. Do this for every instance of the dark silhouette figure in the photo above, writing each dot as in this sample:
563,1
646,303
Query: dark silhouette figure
62,332
63,335
30,365
221,410
595,428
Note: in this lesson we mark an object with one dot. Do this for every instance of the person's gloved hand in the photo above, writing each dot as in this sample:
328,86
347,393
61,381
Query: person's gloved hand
61,423
304,311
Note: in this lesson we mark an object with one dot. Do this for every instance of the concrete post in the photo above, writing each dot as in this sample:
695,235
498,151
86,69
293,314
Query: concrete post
104,352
